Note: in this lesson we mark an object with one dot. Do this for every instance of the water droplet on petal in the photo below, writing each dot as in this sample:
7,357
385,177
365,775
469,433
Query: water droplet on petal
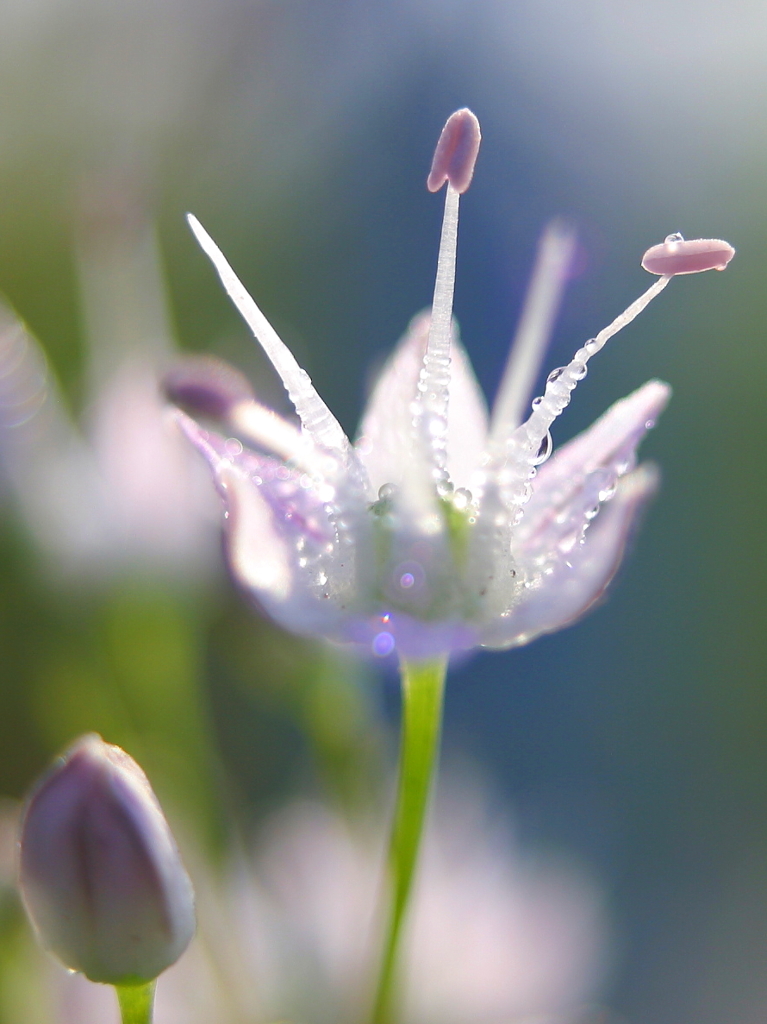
591,346
555,374
537,401
608,491
462,498
675,236
544,451
386,491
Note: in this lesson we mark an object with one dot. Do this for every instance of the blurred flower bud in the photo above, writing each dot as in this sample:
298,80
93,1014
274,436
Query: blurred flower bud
100,873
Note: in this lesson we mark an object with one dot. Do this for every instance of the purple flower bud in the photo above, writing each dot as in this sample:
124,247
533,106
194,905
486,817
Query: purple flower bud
100,873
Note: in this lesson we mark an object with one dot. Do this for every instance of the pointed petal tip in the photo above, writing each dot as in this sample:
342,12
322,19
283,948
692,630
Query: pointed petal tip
677,255
456,152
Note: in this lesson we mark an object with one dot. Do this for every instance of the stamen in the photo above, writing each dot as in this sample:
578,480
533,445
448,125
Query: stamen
544,294
456,152
206,386
530,444
677,255
453,162
317,420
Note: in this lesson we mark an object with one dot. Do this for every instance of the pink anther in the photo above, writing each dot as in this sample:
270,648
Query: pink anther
681,256
456,152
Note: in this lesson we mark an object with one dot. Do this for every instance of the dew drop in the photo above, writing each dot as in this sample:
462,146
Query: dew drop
607,492
568,543
675,236
537,401
592,513
544,451
386,491
462,498
591,346
578,369
383,644
555,374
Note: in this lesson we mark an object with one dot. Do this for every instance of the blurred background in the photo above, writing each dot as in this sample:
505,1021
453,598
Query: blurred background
630,750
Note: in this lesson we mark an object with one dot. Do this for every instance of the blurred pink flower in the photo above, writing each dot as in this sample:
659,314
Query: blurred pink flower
121,492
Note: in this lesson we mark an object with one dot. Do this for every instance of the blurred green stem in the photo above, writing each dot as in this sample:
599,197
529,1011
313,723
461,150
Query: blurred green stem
136,1002
423,686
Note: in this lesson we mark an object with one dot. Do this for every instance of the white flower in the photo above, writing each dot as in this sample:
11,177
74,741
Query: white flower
440,528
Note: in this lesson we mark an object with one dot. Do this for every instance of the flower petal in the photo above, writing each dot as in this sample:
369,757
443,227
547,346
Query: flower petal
570,486
283,541
387,431
576,579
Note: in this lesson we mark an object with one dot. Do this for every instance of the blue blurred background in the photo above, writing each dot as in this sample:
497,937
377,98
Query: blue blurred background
300,134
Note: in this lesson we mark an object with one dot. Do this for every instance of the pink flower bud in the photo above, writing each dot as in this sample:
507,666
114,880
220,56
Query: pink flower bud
100,873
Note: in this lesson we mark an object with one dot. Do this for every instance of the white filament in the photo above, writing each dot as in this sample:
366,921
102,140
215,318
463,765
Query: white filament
520,452
265,430
544,294
434,381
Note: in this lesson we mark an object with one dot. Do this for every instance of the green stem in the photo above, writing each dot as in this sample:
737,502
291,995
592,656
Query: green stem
423,686
136,1002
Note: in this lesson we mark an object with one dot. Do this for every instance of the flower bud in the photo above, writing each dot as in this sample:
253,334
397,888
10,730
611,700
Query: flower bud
100,873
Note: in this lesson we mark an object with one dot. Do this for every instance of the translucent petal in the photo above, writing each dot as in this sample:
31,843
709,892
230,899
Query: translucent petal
282,537
570,486
386,432
576,579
